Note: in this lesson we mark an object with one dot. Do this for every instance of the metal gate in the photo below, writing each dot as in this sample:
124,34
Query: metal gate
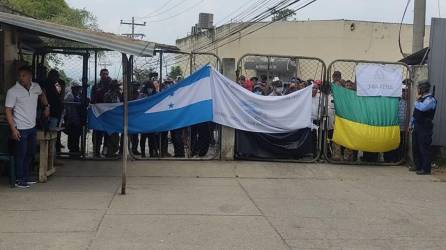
346,71
197,142
281,75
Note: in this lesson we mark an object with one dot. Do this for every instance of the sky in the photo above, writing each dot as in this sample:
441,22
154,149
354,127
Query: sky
169,20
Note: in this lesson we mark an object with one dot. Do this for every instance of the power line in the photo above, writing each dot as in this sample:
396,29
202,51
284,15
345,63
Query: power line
164,11
185,11
280,6
401,26
267,24
157,11
259,17
261,27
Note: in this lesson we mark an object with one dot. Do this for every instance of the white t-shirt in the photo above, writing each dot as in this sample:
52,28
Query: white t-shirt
23,104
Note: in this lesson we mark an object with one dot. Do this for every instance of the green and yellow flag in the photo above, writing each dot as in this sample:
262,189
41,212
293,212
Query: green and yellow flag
365,123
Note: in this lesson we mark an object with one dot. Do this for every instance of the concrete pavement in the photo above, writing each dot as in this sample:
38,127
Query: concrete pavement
225,205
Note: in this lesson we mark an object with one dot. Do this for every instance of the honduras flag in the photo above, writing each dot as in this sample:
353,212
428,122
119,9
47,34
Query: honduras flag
206,96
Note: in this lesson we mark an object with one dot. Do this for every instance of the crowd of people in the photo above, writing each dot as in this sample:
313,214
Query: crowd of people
65,109
152,145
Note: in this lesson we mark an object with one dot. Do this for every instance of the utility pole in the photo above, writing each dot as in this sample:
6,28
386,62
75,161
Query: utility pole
133,24
419,24
132,36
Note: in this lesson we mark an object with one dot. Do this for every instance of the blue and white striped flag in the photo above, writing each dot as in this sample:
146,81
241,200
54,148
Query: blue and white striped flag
206,96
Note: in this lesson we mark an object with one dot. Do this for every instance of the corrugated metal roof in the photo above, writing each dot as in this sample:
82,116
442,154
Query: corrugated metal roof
93,38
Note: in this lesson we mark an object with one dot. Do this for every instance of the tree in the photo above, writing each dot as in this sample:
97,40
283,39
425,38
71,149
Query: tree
142,74
56,11
175,71
283,15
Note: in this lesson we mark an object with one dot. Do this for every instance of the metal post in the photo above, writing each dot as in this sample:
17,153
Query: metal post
419,24
161,66
267,70
160,135
125,78
84,103
95,67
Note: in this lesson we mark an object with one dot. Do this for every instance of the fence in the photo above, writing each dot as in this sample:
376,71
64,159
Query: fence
201,141
337,154
294,73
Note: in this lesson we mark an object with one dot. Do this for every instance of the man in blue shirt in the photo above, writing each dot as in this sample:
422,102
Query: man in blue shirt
422,129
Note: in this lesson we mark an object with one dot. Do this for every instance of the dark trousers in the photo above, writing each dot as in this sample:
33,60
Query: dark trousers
397,154
370,157
74,135
421,148
98,138
134,141
112,144
25,149
315,141
164,143
153,141
178,144
200,139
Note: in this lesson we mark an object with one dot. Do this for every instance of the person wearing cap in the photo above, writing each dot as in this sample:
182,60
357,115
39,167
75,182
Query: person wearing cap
277,87
397,154
72,119
422,126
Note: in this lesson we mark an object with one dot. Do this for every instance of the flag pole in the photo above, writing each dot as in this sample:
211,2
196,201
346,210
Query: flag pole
125,78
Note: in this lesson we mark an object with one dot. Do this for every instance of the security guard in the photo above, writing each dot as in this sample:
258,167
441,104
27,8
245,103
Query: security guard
422,129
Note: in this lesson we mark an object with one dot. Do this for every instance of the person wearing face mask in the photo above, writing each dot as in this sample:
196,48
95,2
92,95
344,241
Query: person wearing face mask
277,87
292,86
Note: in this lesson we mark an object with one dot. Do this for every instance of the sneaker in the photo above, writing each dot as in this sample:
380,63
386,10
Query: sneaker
21,185
413,169
31,182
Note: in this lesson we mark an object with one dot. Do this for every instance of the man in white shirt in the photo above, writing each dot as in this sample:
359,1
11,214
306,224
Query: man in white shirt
21,111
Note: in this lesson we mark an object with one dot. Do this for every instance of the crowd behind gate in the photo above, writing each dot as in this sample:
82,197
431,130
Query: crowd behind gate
62,106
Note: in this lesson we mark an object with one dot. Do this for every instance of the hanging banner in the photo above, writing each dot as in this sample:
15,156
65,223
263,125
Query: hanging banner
207,96
379,79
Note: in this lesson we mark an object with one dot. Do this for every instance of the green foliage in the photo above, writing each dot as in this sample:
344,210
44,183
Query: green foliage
175,71
56,11
284,14
142,74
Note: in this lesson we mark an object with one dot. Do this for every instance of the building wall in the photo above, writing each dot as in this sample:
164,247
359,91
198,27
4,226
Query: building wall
328,40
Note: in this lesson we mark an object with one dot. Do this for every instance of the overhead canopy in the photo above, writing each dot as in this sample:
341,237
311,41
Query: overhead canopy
102,40
417,58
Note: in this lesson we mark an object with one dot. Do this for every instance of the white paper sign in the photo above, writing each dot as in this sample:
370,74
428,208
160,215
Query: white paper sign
379,79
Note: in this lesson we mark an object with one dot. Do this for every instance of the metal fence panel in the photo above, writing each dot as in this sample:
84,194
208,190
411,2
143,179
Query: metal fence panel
294,72
347,68
198,142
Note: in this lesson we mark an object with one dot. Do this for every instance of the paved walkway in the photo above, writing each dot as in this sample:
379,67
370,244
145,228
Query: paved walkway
226,205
